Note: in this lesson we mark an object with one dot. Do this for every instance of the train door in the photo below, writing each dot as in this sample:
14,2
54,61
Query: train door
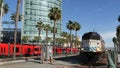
31,49
11,49
4,50
37,50
24,49
18,50
28,51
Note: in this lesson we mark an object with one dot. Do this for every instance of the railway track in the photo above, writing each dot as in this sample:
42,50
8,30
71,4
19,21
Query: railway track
76,62
101,63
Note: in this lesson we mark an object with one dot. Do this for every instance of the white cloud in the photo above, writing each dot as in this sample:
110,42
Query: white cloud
108,35
109,44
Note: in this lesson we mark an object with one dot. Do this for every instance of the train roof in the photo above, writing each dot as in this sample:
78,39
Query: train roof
91,35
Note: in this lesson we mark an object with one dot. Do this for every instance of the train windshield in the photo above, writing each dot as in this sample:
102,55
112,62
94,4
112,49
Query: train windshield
91,35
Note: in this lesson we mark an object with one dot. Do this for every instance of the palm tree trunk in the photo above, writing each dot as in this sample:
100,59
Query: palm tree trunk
39,36
54,41
1,19
16,21
76,38
71,40
54,28
47,37
119,42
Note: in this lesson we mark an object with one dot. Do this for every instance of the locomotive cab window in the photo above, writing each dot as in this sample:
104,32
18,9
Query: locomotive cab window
91,35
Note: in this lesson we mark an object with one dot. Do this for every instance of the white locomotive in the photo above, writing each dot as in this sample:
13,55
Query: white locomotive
92,46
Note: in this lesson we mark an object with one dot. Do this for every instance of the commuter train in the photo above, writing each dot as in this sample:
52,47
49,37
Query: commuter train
32,50
92,46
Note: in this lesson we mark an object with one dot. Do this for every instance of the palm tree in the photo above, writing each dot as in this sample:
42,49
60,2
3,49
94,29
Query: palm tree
115,42
55,15
64,36
36,39
47,28
25,39
39,27
78,43
13,17
52,30
118,33
115,47
48,39
76,27
16,21
68,39
119,19
3,10
1,1
70,27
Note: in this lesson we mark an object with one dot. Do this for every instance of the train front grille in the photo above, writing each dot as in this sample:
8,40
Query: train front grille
90,49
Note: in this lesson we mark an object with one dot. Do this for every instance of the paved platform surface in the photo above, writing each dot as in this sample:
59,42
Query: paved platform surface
65,62
31,63
36,64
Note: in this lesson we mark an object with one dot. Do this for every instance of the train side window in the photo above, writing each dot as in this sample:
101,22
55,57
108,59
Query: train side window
36,49
1,50
13,49
4,49
17,49
28,49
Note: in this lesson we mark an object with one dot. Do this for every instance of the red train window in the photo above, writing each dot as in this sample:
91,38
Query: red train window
1,50
4,49
36,49
28,49
17,49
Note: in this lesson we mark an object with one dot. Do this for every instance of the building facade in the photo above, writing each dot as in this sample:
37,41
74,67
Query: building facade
35,11
7,34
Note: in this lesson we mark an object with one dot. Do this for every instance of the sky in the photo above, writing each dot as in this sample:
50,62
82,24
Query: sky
93,15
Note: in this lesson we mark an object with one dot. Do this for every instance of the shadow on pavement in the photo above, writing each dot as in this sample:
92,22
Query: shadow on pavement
70,59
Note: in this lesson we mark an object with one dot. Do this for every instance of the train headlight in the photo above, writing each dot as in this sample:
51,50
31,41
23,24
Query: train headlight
98,49
82,48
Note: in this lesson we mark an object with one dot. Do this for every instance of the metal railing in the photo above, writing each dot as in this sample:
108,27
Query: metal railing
111,56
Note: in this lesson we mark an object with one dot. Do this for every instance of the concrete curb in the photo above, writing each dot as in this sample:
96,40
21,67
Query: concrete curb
7,62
